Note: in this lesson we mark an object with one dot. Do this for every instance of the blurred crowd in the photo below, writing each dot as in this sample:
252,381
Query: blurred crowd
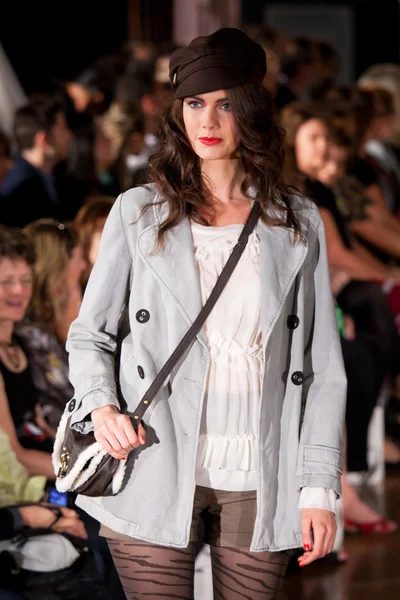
77,144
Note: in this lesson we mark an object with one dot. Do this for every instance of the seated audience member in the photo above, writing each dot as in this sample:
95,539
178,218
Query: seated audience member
162,87
124,126
59,519
271,41
297,72
307,138
367,220
16,487
90,163
363,385
265,35
362,119
326,71
84,90
54,305
23,509
138,85
377,150
89,224
43,139
20,411
5,160
361,297
92,90
373,224
386,76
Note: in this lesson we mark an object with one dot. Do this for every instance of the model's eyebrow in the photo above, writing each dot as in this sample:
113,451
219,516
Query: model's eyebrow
200,99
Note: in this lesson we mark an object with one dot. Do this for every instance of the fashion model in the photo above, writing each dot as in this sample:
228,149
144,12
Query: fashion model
247,430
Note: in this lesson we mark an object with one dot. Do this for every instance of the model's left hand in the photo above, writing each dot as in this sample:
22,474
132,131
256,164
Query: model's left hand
323,525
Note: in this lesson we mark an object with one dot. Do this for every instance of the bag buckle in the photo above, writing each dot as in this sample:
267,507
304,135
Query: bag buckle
62,471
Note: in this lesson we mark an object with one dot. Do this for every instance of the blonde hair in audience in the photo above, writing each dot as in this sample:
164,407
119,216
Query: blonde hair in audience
387,77
53,243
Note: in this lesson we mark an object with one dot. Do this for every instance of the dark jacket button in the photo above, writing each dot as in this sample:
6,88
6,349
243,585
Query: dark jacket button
298,378
142,316
72,405
141,372
293,321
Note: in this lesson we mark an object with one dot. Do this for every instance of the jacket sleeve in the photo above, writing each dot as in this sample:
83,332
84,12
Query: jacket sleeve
92,338
321,450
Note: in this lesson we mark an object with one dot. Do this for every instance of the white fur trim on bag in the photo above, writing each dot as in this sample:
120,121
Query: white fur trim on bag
91,458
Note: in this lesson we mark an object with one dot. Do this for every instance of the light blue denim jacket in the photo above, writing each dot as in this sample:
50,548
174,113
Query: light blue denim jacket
302,408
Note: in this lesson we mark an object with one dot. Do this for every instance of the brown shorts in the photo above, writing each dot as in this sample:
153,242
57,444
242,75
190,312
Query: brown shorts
228,518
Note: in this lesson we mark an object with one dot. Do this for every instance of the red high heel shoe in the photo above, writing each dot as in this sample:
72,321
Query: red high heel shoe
381,526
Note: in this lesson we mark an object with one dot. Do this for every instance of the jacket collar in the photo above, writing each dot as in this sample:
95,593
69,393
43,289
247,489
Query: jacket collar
175,267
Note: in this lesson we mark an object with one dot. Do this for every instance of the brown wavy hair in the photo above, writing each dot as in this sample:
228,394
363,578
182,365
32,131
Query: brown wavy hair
90,220
175,169
292,117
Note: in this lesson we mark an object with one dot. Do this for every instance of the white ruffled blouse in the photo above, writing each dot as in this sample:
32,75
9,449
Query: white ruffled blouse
227,449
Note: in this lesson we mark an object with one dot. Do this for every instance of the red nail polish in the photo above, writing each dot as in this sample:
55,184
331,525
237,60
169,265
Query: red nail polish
301,565
123,458
306,547
141,439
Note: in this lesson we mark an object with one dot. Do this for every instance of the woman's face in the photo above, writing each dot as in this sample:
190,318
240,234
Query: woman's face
335,165
76,266
15,288
210,126
311,146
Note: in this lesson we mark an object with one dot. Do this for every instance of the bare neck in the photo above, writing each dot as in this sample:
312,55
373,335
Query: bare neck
223,178
6,331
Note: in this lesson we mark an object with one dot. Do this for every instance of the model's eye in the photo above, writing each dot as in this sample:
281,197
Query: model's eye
194,104
226,106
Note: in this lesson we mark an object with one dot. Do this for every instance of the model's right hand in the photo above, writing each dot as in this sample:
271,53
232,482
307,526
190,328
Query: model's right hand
115,432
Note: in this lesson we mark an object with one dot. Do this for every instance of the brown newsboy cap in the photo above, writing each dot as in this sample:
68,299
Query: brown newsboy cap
222,60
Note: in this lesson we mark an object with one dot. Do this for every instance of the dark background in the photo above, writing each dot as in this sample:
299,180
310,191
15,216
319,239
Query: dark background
376,24
60,39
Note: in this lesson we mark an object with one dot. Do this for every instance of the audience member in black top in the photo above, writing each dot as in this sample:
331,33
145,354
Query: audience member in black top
357,189
19,409
374,337
5,159
43,139
374,226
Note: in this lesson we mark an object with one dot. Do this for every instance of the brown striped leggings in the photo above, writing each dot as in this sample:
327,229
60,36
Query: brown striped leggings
155,572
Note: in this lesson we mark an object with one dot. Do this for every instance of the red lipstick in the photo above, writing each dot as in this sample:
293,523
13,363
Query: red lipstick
210,141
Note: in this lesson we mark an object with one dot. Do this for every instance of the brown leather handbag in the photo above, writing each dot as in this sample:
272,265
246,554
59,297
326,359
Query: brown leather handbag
80,462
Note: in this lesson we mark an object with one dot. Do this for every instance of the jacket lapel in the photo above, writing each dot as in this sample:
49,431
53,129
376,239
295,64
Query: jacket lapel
280,261
175,266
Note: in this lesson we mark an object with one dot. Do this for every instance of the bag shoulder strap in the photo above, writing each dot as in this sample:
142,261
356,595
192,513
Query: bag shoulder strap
189,337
